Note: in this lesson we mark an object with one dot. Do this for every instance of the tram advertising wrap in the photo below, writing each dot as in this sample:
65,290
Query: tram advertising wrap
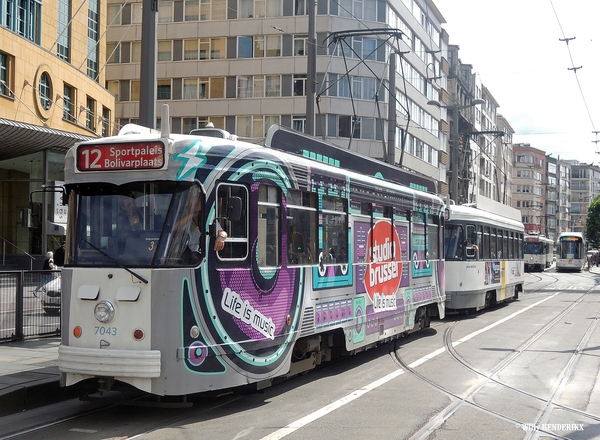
199,263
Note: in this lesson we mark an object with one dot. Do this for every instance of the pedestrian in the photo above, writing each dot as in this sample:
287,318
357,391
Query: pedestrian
45,277
59,255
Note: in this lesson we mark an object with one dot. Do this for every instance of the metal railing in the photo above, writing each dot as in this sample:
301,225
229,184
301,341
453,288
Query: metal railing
4,242
29,304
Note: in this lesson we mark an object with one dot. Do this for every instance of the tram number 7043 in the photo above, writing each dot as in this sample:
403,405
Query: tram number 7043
106,331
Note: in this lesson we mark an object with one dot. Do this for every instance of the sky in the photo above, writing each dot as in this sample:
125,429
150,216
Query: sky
547,89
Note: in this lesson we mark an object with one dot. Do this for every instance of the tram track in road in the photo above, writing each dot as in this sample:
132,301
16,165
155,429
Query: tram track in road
73,415
457,401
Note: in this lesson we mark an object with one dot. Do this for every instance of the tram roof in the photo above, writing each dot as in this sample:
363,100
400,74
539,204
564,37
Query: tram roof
135,133
471,213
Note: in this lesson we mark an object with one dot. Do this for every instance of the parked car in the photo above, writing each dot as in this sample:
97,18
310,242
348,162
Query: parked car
50,296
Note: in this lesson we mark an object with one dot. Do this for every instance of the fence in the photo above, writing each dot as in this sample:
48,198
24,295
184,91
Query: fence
29,304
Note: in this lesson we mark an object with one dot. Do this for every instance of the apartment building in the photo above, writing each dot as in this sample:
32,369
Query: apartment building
529,182
243,66
585,186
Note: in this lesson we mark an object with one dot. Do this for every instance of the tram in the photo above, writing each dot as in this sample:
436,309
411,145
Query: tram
570,252
539,251
319,261
484,258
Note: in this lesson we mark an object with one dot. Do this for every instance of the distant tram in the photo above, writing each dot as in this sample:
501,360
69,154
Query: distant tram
484,258
539,251
319,261
571,251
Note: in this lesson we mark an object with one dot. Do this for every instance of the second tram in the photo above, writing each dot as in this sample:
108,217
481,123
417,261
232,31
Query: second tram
539,251
570,252
318,262
484,258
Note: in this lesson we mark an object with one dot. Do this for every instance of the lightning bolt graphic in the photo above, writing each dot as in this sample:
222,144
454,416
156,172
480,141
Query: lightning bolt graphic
193,157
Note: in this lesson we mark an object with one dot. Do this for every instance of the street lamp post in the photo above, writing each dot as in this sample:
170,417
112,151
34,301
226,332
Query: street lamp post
454,137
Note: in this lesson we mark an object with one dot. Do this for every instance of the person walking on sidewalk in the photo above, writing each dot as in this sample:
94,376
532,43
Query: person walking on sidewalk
44,278
59,255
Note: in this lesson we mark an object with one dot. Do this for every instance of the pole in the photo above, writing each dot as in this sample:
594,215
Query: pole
147,109
391,144
454,152
311,69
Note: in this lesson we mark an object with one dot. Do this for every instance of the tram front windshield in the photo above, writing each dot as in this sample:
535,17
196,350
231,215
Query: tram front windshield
570,249
136,224
533,248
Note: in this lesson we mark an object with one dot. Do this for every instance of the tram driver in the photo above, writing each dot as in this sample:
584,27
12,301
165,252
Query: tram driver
191,222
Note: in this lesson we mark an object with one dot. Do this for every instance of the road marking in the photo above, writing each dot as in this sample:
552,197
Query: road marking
294,426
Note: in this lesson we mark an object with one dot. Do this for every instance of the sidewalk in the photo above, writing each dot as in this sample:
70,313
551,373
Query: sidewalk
28,374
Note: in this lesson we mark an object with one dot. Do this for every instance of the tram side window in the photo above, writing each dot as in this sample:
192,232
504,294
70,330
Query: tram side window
486,243
480,241
505,244
432,237
453,242
511,246
335,230
302,227
236,244
472,251
269,208
520,247
493,244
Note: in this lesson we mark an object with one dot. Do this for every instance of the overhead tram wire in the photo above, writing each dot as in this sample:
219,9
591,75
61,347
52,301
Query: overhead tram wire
575,69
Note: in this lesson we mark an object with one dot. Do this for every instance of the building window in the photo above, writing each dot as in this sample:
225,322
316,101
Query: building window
245,47
113,14
64,29
212,48
190,49
22,17
90,113
113,87
259,8
165,12
298,123
163,89
217,87
165,50
4,74
191,13
190,90
134,94
136,13
113,53
299,85
93,35
45,91
69,103
255,125
105,122
300,45
136,52
300,7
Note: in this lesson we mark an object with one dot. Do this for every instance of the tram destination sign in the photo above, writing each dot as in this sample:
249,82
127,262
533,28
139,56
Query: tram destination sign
121,157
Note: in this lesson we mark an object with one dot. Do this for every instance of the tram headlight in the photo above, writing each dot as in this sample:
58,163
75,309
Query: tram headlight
104,311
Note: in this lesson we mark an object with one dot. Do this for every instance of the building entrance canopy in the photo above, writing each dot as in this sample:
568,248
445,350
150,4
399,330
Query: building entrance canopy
19,139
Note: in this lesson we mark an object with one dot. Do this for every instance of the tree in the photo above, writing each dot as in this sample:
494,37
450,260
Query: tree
592,223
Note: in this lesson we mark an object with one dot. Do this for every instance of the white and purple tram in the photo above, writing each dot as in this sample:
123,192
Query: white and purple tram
319,260
484,258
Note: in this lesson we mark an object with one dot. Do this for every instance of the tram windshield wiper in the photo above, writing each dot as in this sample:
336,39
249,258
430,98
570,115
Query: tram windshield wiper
139,277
